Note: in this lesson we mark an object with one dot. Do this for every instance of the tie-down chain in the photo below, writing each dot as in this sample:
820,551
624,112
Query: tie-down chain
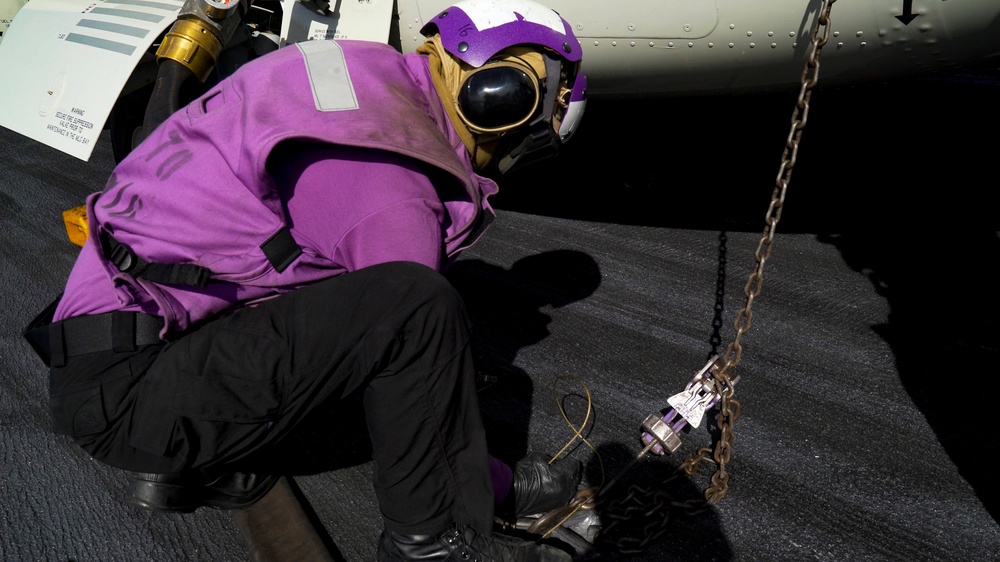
645,512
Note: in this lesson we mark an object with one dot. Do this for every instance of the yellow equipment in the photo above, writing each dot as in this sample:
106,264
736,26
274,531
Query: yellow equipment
76,224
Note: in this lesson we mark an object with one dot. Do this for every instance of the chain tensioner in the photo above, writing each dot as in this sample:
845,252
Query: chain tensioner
663,434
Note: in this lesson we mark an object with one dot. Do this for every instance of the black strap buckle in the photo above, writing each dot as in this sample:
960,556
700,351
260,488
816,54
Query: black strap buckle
123,257
120,254
126,260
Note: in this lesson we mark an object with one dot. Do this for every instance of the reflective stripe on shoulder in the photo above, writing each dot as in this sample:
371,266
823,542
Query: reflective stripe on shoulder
327,69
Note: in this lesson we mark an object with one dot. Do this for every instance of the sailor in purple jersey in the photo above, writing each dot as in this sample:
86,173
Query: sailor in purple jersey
268,251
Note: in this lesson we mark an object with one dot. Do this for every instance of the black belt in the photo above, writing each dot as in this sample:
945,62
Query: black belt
54,342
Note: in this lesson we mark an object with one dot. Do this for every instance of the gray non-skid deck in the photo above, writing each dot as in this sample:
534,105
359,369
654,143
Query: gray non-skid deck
869,378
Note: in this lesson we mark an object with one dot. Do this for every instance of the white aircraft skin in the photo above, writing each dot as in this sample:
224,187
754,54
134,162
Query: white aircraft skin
59,89
666,47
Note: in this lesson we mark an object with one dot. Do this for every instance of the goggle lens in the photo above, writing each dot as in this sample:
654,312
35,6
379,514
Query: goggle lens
498,97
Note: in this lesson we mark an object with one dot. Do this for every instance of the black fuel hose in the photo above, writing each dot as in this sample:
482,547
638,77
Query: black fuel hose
165,99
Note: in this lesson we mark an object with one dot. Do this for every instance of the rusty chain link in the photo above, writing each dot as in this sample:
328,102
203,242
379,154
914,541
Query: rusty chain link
648,511
729,409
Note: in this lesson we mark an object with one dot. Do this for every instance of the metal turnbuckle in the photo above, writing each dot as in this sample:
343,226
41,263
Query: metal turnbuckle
662,434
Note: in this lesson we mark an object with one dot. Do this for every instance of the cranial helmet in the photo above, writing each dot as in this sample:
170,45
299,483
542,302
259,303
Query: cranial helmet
520,81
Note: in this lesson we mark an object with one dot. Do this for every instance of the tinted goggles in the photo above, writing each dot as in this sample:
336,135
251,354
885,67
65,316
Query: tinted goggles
499,96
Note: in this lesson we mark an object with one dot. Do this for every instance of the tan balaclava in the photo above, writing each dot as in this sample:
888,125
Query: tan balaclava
448,74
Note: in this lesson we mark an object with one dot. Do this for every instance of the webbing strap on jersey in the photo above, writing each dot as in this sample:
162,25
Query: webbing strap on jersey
280,250
167,273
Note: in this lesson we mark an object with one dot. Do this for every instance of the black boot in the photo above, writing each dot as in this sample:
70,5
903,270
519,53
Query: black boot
186,493
461,543
540,486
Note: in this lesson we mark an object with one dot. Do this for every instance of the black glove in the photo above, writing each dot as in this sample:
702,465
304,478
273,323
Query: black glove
540,486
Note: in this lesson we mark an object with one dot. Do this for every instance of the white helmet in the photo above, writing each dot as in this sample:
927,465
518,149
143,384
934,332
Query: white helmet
504,96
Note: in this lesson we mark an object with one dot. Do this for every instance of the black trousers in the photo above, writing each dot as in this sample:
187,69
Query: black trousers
397,332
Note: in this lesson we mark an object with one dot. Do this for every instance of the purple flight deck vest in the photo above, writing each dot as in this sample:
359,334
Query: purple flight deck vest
197,191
